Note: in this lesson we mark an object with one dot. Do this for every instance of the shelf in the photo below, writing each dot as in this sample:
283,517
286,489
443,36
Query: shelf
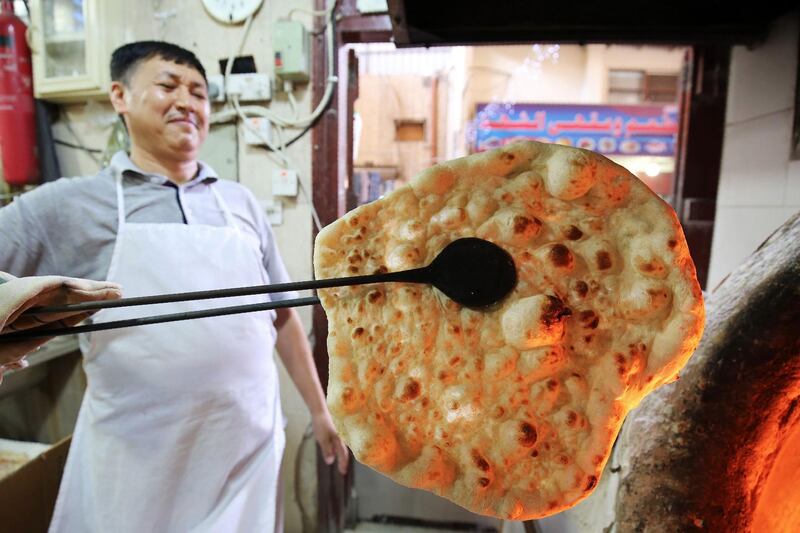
65,38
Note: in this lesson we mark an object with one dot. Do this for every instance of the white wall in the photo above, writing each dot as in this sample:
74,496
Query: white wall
500,74
654,60
579,75
192,28
759,186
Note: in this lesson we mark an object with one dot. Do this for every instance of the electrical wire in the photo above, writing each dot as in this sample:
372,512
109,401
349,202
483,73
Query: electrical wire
238,109
80,144
78,147
237,51
303,190
298,497
288,87
228,114
279,123
323,13
296,137
285,162
299,135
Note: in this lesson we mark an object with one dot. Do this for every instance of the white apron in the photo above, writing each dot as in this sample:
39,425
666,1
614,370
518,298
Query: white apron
180,428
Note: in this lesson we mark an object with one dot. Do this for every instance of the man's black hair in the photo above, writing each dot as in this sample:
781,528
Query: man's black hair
127,57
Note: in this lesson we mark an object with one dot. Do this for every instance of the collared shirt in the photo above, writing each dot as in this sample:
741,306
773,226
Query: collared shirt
69,227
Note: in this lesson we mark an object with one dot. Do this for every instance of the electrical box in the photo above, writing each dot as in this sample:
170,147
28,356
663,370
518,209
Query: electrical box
371,7
274,210
216,87
263,130
249,87
284,182
290,42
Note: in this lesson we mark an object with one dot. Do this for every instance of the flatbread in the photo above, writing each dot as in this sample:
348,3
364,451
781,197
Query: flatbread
509,412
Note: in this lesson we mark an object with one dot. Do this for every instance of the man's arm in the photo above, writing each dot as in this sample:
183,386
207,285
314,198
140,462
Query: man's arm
295,352
64,228
22,248
293,346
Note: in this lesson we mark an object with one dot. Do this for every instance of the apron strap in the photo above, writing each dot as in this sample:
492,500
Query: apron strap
120,202
229,219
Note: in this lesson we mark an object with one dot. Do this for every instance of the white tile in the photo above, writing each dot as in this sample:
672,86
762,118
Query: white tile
738,231
792,197
755,158
762,80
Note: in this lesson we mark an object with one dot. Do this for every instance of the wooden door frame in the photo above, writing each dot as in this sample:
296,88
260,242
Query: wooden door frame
332,164
699,159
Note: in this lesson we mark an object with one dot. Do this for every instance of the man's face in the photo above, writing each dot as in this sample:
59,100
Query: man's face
166,108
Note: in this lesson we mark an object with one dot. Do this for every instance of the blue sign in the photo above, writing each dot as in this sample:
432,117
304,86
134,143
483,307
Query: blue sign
607,129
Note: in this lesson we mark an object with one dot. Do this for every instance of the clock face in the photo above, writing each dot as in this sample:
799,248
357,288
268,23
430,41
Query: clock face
231,11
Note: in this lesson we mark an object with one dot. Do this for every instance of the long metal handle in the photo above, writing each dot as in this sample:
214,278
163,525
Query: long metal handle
40,333
417,275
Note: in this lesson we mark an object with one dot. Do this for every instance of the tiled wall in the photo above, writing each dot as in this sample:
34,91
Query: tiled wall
759,186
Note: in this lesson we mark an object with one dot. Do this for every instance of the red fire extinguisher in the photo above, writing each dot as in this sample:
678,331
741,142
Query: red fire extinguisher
17,110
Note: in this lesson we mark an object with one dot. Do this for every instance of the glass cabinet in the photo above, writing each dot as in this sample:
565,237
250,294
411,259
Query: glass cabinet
70,42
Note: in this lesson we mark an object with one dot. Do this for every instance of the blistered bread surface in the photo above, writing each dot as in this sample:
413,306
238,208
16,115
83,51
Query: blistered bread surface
509,412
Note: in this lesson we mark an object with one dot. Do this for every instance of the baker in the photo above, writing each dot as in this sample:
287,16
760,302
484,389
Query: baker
181,427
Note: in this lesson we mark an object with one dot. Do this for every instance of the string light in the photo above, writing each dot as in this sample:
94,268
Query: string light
530,67
652,170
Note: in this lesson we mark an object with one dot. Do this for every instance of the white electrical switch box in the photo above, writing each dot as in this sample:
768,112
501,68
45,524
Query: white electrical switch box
274,210
216,87
369,7
284,182
263,130
249,87
290,43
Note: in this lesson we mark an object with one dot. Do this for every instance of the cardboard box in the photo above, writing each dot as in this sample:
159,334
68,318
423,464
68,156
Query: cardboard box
28,496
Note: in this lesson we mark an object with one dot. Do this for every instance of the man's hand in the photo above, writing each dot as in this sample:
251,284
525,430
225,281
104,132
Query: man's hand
333,447
295,353
17,295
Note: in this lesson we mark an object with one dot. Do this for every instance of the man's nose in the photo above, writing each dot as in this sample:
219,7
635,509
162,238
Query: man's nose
183,99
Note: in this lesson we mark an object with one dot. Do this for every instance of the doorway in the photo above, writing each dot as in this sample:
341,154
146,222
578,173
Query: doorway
348,171
417,107
413,108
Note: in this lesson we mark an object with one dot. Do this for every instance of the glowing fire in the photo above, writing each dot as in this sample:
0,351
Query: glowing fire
778,508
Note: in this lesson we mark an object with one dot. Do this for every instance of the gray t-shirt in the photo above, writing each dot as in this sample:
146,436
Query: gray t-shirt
69,227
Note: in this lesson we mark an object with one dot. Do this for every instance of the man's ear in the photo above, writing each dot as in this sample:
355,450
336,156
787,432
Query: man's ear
117,93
